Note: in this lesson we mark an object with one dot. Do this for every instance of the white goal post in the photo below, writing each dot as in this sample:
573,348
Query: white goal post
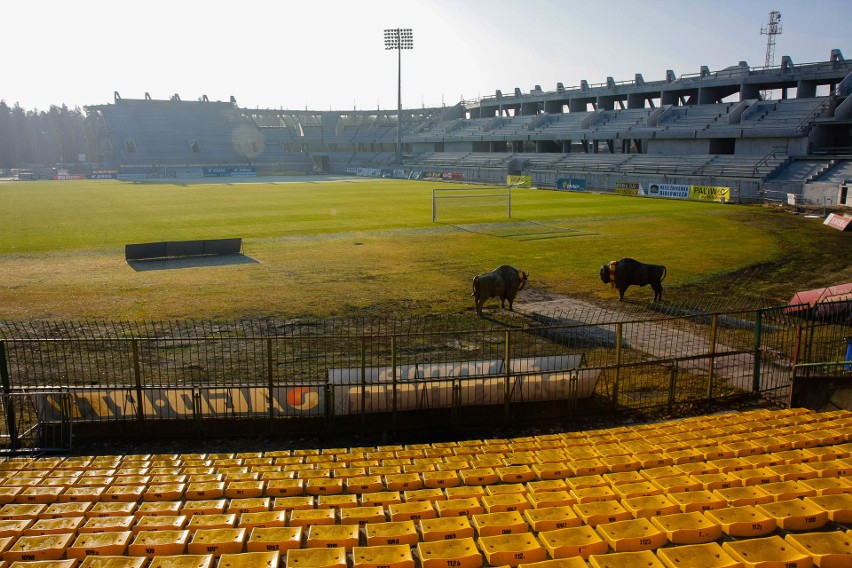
472,201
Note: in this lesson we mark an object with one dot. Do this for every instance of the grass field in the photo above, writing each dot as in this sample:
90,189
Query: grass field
364,246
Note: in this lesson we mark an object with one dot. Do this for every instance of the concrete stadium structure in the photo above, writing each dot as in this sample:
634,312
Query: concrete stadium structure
710,128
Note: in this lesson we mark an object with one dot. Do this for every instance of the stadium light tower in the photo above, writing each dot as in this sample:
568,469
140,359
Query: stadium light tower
770,30
399,39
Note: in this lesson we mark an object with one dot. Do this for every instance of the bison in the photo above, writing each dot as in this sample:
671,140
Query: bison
503,282
629,272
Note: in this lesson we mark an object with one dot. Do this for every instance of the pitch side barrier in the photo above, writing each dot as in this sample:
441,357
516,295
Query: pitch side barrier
182,249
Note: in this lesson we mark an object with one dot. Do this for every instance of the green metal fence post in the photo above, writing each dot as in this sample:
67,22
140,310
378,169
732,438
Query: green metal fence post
507,369
270,380
758,331
11,426
711,365
619,330
137,378
393,380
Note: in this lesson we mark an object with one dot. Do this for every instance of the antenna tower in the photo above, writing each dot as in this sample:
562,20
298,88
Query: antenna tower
770,30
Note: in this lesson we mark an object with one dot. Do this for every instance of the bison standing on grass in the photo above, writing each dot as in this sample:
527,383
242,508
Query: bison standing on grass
629,272
503,282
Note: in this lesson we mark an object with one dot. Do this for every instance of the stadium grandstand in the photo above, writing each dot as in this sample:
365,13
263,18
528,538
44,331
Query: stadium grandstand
711,128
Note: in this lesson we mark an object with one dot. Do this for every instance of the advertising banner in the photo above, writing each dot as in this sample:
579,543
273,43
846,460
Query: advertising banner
519,181
628,188
839,222
570,184
184,403
671,191
710,193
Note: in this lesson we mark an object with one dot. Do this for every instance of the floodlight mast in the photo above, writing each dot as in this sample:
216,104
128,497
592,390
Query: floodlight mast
399,39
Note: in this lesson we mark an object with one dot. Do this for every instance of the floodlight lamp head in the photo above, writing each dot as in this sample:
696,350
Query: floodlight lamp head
399,38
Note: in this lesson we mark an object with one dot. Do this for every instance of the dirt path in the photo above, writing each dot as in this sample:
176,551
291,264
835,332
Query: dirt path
661,339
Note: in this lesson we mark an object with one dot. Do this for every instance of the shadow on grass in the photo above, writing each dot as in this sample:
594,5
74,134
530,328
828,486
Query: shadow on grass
190,262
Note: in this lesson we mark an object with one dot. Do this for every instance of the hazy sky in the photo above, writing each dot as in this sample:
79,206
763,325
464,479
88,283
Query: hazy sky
329,54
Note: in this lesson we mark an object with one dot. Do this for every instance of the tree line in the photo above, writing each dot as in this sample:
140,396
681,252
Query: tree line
32,138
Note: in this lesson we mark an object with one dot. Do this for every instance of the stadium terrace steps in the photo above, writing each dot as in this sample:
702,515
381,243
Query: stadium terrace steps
702,491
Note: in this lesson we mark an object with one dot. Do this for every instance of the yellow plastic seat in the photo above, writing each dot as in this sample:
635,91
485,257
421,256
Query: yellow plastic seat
67,563
546,486
204,507
38,548
832,548
114,562
700,500
490,524
249,559
387,556
826,485
569,542
515,474
650,506
511,549
740,496
212,521
14,527
459,553
285,488
591,466
402,482
362,515
478,476
555,498
164,492
687,528
112,509
108,524
427,494
599,512
263,519
316,558
644,558
767,552
54,526
308,517
100,544
795,515
445,528
413,511
364,484
711,481
240,505
838,506
551,518
464,492
394,532
632,535
274,539
593,494
614,478
200,491
623,463
157,508
22,511
455,507
505,502
293,503
331,536
552,470
677,483
708,555
123,493
505,488
56,510
217,541
440,479
638,489
39,494
742,522
159,543
756,476
324,486
8,493
380,499
160,523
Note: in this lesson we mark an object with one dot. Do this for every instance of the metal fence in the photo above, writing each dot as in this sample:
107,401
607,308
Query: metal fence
65,373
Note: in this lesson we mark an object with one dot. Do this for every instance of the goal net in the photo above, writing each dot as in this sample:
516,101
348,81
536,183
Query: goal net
471,204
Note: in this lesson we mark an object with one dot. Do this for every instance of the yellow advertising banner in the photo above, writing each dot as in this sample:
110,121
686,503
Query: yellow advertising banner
710,193
519,181
628,188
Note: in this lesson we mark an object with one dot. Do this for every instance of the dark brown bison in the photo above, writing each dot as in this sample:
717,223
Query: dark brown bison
503,282
629,272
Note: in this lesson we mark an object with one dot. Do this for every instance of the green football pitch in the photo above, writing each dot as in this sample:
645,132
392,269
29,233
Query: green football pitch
344,246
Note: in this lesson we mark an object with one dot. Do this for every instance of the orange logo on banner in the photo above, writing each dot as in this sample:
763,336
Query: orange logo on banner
302,398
